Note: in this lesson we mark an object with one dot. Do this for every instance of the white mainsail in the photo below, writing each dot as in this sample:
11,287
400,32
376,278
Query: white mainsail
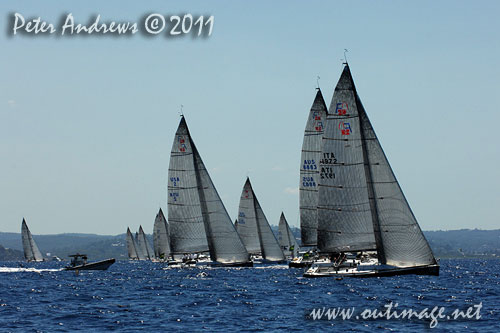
187,229
247,221
143,248
192,192
287,240
31,251
256,225
161,242
344,216
309,170
131,247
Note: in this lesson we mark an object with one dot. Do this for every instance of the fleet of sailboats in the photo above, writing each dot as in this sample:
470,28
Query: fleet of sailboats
354,218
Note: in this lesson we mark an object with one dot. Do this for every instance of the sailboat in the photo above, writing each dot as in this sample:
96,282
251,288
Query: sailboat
131,246
31,251
254,229
143,248
287,240
198,219
361,206
161,242
309,182
309,170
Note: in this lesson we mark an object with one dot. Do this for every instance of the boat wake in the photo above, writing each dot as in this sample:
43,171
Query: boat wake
24,269
272,267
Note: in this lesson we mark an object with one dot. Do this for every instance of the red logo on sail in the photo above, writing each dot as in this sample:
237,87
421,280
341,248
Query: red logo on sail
319,124
182,144
341,109
345,128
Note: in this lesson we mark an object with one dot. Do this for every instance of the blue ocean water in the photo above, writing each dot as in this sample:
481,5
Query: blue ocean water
141,295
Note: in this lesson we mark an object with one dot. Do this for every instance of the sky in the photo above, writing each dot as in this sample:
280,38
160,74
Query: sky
87,122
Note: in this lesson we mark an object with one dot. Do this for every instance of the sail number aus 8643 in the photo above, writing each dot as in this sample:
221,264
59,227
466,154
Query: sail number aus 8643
309,165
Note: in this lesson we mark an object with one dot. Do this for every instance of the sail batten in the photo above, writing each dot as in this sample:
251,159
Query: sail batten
309,170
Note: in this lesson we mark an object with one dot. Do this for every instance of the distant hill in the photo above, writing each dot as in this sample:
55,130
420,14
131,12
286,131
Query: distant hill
10,254
445,244
463,243
95,246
